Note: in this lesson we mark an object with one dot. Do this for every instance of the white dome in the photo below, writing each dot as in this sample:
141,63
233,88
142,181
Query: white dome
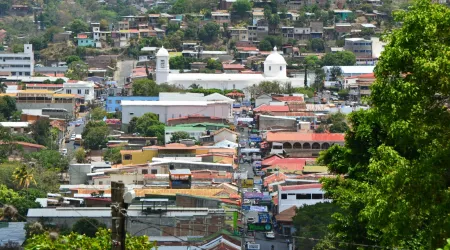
162,52
274,58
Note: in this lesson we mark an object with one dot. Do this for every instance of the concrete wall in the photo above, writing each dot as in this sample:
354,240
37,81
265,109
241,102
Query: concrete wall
77,173
192,201
68,106
274,122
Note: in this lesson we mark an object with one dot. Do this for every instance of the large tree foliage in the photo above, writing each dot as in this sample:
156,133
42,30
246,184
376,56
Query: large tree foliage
19,200
396,157
179,135
241,7
41,132
145,87
148,125
75,241
311,221
339,58
209,32
7,107
87,226
95,134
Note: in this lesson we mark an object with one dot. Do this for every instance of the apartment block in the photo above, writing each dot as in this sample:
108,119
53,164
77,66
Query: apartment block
18,64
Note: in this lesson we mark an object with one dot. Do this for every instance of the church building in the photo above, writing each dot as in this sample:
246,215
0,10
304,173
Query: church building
274,70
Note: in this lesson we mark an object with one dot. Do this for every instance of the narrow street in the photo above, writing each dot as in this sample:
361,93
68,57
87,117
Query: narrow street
279,243
124,69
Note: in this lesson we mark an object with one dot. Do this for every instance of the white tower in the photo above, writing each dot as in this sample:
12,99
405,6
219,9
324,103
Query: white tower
275,65
162,66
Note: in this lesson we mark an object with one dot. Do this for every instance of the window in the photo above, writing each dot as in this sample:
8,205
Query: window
109,101
303,197
144,171
317,196
281,68
131,113
100,183
127,157
79,91
27,73
270,67
117,101
283,196
154,171
86,91
68,91
163,64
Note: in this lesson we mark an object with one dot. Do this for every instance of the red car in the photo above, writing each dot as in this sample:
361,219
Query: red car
77,124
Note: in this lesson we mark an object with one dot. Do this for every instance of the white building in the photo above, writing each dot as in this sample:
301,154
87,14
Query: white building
18,64
300,195
194,132
274,70
82,88
174,109
348,71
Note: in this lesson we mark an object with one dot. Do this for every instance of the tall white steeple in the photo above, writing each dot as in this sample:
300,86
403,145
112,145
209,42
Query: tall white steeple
162,66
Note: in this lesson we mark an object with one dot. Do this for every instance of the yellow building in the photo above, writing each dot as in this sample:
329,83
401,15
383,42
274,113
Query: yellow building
146,154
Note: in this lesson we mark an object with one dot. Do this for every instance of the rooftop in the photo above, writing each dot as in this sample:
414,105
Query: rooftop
300,187
271,108
304,137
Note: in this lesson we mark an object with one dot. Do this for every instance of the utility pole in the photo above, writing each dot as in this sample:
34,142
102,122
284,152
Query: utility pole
117,214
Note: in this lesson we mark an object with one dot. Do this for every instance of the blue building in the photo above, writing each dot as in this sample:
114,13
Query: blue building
112,103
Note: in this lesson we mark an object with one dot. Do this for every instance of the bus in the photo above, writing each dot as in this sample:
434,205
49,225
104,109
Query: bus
78,139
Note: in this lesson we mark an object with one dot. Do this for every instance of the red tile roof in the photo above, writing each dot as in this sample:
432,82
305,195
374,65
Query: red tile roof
53,75
286,215
304,137
43,85
281,161
274,178
365,76
82,36
233,67
288,98
26,144
271,108
247,48
271,159
300,187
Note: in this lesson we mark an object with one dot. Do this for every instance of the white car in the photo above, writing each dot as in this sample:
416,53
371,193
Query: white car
247,201
72,138
250,220
270,235
64,151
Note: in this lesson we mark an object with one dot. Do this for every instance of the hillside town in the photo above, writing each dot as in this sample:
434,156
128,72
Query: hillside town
230,124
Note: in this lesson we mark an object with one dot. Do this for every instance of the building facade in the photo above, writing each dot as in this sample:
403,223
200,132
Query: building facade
81,88
113,103
18,64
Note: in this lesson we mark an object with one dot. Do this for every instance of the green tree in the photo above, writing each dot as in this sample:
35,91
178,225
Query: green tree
77,70
270,87
95,135
80,155
88,227
179,7
317,45
179,135
18,201
241,7
209,32
149,125
49,159
71,59
311,221
145,87
113,155
395,159
78,26
7,106
172,27
98,113
23,176
265,45
41,132
214,64
101,241
340,58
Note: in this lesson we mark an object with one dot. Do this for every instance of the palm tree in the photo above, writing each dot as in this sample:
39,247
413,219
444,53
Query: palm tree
23,177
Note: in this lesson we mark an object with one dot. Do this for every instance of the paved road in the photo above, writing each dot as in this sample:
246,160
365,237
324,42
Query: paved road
124,69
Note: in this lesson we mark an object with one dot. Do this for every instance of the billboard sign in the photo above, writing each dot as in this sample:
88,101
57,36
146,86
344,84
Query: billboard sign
260,173
254,208
263,217
253,195
260,227
247,183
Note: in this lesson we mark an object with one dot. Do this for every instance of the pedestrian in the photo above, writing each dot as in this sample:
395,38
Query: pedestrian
287,242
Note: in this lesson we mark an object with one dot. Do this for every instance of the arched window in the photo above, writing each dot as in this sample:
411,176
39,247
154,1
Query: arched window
281,68
306,145
287,145
325,145
270,67
297,145
316,145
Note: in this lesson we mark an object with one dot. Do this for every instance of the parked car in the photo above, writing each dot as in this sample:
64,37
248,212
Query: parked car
250,220
270,235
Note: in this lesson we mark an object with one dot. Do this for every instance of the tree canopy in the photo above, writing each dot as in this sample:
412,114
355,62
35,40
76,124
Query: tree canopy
395,159
145,87
241,7
179,135
95,134
74,241
148,125
339,58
